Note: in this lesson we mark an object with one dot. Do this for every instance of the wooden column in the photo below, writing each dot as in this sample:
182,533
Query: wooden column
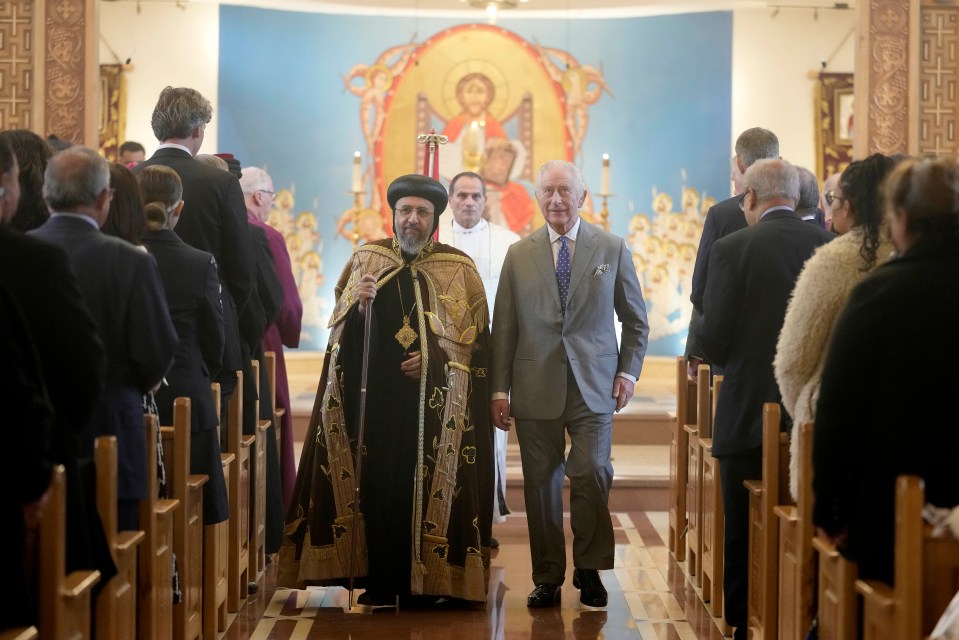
49,68
906,63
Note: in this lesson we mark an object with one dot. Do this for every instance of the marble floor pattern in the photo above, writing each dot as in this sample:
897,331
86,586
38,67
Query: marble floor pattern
650,597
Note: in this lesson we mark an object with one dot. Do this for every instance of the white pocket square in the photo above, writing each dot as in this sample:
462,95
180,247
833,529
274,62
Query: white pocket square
600,270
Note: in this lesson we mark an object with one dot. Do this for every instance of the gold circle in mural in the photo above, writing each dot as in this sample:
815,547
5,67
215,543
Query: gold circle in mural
508,60
473,72
580,76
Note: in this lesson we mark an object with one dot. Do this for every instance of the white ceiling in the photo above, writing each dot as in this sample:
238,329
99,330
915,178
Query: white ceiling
536,8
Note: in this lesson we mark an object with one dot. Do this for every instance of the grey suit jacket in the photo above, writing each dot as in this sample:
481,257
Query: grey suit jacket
532,339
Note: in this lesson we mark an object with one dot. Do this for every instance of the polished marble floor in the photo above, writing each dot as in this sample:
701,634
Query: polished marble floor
649,598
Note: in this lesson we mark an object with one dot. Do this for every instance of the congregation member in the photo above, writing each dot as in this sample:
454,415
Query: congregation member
722,219
486,243
213,220
823,288
886,405
271,294
828,199
131,153
751,274
428,435
32,153
121,287
39,279
557,370
193,296
259,194
807,207
126,219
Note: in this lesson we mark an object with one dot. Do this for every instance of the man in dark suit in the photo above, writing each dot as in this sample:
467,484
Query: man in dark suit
722,219
807,207
557,369
213,220
121,287
751,275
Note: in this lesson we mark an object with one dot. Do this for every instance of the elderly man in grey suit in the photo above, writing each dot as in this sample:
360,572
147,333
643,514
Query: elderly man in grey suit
557,368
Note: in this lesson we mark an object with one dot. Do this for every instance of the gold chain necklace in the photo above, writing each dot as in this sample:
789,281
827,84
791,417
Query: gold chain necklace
405,336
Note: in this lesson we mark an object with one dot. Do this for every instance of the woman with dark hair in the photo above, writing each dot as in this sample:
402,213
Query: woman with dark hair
32,153
823,288
193,296
887,405
126,218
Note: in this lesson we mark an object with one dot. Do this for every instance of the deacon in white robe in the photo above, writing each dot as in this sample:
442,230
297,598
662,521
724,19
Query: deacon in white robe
486,243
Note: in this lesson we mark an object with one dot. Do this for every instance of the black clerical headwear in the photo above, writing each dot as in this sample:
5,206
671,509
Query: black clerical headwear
419,186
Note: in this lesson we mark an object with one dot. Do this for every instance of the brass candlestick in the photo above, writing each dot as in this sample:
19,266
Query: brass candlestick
357,207
604,211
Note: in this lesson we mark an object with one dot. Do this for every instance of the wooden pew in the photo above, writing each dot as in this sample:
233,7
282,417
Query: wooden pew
679,459
116,604
797,570
155,572
694,483
187,522
239,490
764,495
216,551
64,600
278,412
258,507
836,593
713,523
926,574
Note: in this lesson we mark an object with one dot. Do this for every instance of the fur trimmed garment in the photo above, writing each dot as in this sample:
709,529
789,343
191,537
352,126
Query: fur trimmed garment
821,293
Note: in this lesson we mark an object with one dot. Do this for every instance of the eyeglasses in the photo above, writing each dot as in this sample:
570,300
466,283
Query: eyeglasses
831,196
742,201
421,212
272,193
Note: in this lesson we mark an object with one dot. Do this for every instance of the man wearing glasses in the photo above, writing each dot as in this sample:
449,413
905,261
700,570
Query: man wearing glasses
426,501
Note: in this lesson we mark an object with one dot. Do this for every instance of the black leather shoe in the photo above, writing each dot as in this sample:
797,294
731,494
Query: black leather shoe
544,595
592,592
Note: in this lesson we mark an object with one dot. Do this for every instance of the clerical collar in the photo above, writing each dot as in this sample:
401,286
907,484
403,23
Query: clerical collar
571,234
479,227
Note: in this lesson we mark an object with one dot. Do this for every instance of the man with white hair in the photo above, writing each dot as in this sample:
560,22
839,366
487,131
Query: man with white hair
558,370
751,275
259,194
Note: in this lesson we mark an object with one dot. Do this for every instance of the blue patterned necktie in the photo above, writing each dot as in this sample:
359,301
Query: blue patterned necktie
562,271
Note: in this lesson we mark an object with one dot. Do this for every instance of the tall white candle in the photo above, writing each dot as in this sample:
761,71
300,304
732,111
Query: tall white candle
604,183
357,172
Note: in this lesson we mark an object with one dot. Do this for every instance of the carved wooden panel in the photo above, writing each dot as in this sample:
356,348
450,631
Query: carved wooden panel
65,61
888,73
17,72
937,81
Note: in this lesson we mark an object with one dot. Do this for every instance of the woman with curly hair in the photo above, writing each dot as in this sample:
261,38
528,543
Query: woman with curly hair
823,288
32,154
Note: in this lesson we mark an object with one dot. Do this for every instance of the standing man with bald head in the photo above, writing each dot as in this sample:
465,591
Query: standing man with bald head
557,369
751,275
486,243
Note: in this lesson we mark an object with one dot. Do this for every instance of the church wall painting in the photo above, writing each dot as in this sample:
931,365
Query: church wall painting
653,93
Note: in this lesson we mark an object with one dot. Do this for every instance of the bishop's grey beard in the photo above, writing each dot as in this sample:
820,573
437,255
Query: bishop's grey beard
410,243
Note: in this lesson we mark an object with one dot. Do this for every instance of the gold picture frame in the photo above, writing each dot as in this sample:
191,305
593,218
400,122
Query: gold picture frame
834,123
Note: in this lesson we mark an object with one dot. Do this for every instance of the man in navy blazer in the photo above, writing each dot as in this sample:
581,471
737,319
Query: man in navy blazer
722,219
557,369
751,275
213,219
121,287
